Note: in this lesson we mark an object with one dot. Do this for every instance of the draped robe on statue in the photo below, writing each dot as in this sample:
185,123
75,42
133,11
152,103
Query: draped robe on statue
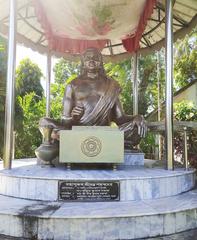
92,99
103,108
99,113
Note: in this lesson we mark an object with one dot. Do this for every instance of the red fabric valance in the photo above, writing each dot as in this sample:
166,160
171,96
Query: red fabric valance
58,32
132,44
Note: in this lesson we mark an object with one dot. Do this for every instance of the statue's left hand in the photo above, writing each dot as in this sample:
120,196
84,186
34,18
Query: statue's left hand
140,122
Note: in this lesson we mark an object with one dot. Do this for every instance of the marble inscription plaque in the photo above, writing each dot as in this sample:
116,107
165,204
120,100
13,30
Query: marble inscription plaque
89,190
91,145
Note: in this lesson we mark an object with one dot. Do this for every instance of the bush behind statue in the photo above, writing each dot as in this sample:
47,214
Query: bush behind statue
186,111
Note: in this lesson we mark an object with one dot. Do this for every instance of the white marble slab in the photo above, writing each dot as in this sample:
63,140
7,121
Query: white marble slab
41,183
97,221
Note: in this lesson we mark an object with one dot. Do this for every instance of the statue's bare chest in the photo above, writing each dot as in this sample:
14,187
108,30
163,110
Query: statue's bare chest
89,90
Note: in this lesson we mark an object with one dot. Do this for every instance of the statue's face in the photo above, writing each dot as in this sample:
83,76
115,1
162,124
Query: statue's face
92,61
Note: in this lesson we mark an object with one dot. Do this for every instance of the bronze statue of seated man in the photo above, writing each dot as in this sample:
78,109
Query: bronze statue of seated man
92,99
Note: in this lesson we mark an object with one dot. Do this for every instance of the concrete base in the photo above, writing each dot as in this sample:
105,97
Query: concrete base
144,210
186,235
97,221
41,183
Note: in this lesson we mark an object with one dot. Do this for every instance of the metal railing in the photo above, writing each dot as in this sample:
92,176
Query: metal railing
183,127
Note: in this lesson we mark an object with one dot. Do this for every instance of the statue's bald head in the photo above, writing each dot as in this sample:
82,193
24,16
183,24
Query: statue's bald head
91,61
93,53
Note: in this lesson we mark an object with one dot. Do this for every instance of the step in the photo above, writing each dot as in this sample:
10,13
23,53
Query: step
30,181
97,220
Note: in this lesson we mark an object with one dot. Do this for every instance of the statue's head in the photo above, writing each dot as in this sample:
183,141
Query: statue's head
91,61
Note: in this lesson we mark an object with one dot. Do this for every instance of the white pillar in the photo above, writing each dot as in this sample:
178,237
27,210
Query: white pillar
48,85
10,88
169,86
135,84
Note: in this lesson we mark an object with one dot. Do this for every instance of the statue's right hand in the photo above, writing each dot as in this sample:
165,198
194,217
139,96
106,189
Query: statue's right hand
77,113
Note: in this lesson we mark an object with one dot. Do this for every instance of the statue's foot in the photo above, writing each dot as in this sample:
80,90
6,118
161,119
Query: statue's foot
131,147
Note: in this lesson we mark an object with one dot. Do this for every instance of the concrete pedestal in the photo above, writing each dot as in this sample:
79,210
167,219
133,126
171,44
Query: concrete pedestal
153,202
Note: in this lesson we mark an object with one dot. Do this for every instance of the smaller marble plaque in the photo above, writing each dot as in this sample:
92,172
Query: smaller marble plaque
89,191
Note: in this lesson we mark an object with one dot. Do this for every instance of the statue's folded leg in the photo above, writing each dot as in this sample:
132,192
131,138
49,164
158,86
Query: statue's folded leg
131,136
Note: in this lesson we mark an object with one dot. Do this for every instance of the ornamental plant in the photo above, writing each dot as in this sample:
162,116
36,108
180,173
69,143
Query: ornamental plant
186,111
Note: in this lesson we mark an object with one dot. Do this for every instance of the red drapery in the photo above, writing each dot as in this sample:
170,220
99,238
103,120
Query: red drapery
66,44
132,44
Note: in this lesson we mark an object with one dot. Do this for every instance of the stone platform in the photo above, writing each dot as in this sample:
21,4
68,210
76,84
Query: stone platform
93,221
153,202
37,183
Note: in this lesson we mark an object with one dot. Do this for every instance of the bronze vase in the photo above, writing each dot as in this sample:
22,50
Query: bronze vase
47,151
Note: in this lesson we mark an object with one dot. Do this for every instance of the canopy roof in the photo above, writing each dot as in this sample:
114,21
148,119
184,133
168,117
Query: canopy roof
67,27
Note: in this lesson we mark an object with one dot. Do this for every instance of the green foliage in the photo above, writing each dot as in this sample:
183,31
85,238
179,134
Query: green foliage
57,93
28,137
186,111
65,69
185,67
29,108
148,82
3,57
148,145
28,75
3,69
148,94
122,73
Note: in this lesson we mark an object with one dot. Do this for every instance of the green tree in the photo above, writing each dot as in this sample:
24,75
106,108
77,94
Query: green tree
64,70
28,75
29,108
186,111
57,93
3,69
147,80
28,137
122,73
185,67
